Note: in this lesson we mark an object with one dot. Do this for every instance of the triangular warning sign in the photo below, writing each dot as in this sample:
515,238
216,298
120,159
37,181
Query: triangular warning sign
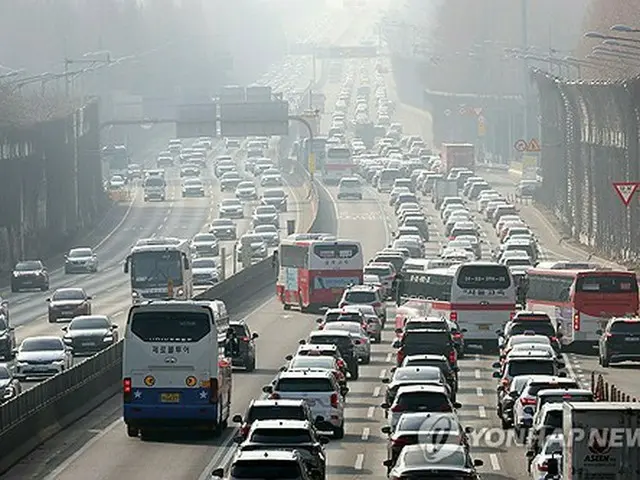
625,191
533,146
478,111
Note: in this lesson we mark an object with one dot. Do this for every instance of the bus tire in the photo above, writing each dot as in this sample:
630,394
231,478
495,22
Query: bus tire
132,431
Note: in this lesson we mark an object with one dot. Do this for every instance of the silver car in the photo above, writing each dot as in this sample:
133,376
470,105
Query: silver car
81,259
362,342
205,245
205,272
269,233
42,356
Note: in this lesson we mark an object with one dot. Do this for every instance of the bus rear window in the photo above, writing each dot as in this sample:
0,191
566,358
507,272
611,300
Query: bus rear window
427,286
486,277
335,252
607,284
158,326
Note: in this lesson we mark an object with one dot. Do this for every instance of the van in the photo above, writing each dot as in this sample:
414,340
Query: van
349,187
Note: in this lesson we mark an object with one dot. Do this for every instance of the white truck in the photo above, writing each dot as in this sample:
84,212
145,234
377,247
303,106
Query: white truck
444,188
602,441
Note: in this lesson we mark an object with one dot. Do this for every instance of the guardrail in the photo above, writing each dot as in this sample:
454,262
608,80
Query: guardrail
39,413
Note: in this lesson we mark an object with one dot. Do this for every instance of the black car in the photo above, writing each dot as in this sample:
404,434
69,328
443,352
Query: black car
440,361
433,341
619,341
534,323
507,398
269,409
68,303
88,334
9,385
28,275
246,355
299,435
344,342
7,337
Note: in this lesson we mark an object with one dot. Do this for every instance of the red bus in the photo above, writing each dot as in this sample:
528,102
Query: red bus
581,301
314,272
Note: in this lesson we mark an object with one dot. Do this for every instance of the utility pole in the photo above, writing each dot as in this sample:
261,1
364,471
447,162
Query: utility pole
525,47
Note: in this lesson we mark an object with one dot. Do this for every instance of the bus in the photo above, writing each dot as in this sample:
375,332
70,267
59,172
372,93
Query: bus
176,372
338,163
319,149
580,300
479,296
160,269
315,272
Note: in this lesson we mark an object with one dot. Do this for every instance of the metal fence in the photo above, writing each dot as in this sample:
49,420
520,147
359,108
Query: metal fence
51,183
590,134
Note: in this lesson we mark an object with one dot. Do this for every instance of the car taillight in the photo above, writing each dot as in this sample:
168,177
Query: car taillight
576,321
246,339
398,408
244,431
340,363
608,335
126,389
453,316
400,442
213,390
400,356
543,467
527,401
511,315
274,396
457,335
452,237
553,339
452,357
334,400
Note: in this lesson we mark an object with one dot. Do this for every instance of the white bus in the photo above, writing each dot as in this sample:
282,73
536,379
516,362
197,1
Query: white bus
479,296
338,163
160,270
176,373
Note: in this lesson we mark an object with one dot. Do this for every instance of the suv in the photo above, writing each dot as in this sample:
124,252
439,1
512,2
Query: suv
619,341
418,398
345,344
364,295
323,351
349,187
434,341
223,229
265,409
29,274
288,434
246,356
319,389
530,363
440,361
537,323
287,464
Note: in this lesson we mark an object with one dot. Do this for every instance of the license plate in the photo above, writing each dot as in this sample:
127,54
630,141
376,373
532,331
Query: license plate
484,326
632,339
170,397
310,401
88,344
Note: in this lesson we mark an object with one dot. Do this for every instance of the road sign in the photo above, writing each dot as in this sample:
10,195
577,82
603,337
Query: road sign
478,111
259,119
625,191
482,127
197,120
521,145
462,110
447,112
533,145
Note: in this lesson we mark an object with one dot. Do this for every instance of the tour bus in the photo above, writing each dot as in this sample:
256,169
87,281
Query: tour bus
338,163
160,270
319,149
424,264
479,296
315,272
176,373
581,300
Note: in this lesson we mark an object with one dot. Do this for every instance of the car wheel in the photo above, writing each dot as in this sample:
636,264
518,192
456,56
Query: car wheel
67,271
605,362
378,338
251,366
366,360
338,432
14,289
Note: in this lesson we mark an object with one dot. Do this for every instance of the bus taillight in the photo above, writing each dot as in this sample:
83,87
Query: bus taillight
576,322
126,390
453,316
213,390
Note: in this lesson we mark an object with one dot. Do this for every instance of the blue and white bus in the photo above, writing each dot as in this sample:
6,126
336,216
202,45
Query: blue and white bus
175,370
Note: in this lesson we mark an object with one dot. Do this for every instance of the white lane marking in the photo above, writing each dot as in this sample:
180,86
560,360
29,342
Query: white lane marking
482,412
569,367
477,357
117,227
365,434
389,356
478,373
383,373
495,464
359,461
376,392
479,392
371,411
82,450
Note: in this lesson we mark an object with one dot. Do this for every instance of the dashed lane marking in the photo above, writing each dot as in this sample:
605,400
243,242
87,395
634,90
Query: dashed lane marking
359,461
365,434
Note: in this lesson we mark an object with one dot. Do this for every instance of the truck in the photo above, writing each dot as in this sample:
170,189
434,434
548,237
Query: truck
258,94
457,155
232,94
601,441
444,188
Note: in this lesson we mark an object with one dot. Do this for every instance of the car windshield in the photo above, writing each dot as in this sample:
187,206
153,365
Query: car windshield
534,388
89,323
537,327
265,470
80,252
313,361
530,367
4,373
28,266
41,344
68,294
203,263
204,237
280,435
273,194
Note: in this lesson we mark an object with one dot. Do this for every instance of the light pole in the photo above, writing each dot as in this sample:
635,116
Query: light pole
602,36
624,28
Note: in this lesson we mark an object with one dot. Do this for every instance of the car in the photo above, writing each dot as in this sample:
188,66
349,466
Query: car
265,409
246,191
552,447
506,399
246,354
117,182
28,275
417,428
434,341
10,387
262,165
364,295
350,187
271,180
42,356
276,197
408,231
448,461
175,146
528,337
229,181
529,363
193,187
205,271
80,259
269,233
89,334
373,324
324,350
259,249
418,398
224,166
345,344
272,464
316,361
164,159
190,171
385,272
134,171
530,323
68,302
205,245
7,337
223,229
619,341
266,215
427,359
401,376
231,143
344,314
361,340
231,208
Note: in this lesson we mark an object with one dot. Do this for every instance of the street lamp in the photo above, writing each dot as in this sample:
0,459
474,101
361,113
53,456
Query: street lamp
602,36
628,60
624,28
615,43
617,52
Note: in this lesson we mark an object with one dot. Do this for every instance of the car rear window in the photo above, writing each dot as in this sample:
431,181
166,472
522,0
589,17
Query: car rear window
280,435
566,398
360,297
539,327
626,327
343,343
536,387
426,338
276,412
530,367
265,469
458,232
423,402
304,385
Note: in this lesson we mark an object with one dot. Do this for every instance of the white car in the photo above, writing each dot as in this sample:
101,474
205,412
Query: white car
231,208
41,357
524,409
269,233
363,347
553,447
246,191
350,187
116,182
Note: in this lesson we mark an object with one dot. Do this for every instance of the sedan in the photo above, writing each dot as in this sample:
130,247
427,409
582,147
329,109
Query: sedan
81,259
205,245
361,340
89,334
205,272
223,229
266,215
429,375
193,187
451,461
276,197
269,233
68,303
9,385
246,191
42,356
271,180
29,274
258,247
